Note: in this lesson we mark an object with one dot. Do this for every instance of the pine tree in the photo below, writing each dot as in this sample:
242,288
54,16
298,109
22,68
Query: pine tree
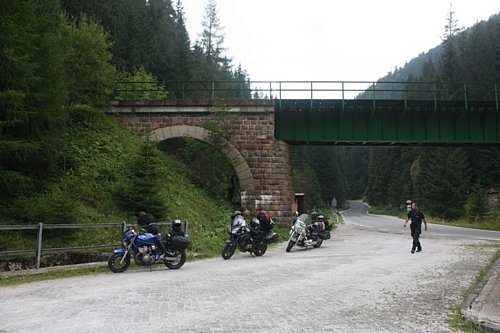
33,91
141,192
212,38
183,56
449,73
476,207
443,182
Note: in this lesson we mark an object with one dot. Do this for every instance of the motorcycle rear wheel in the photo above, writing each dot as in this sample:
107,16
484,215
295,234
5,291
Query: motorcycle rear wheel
260,250
291,243
115,263
181,256
318,244
228,251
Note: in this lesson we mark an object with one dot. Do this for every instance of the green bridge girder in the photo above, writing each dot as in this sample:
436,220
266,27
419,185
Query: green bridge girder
387,122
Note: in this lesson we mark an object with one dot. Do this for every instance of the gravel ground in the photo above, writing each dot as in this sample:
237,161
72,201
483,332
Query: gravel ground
359,281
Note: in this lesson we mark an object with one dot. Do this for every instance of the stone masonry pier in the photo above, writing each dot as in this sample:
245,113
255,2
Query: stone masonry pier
261,163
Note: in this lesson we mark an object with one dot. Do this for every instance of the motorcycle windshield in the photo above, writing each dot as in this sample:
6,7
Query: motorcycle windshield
303,218
238,222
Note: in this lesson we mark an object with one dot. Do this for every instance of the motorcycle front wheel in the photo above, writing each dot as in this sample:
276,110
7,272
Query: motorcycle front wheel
291,243
116,264
260,250
228,251
181,259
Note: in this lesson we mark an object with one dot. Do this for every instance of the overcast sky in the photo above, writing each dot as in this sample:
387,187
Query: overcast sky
350,40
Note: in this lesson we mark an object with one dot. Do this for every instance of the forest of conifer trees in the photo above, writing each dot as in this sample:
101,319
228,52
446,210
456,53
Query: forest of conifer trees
450,182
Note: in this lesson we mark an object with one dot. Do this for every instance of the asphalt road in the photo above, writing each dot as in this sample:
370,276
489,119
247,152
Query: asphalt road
363,279
357,215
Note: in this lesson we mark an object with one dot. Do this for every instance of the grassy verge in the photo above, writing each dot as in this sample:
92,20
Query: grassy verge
460,322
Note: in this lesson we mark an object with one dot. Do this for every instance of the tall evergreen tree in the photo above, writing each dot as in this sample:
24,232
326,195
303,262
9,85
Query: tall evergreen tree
33,91
443,182
305,179
449,72
183,56
356,169
212,37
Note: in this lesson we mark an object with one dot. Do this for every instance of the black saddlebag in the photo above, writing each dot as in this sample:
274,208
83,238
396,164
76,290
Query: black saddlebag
271,237
180,242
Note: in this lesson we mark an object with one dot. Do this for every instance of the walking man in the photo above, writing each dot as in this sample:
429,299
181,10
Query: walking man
417,217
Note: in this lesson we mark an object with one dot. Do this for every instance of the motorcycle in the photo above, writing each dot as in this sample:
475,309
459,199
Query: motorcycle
146,249
305,235
251,239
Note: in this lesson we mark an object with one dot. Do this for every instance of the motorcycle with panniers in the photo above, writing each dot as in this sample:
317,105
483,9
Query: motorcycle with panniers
253,238
307,232
146,249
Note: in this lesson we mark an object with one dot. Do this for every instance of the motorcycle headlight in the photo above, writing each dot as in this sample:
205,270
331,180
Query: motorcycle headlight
299,227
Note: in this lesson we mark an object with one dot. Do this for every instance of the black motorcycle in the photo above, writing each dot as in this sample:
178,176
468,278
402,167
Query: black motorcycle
253,238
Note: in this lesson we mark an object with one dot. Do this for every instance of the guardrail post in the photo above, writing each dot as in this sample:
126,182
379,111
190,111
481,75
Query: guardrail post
496,96
465,96
435,96
343,99
312,89
39,245
279,85
373,100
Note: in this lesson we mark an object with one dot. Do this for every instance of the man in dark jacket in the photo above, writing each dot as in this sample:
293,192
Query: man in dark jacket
417,217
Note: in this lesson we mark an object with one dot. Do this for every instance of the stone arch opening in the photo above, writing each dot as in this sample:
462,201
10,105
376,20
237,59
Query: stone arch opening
240,166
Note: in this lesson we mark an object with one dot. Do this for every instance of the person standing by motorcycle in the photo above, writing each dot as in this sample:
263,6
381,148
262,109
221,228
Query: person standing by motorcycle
417,217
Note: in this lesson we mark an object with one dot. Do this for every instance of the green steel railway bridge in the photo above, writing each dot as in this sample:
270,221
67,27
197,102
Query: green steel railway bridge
362,112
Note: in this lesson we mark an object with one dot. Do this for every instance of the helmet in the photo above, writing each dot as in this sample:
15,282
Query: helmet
236,213
314,216
176,225
255,223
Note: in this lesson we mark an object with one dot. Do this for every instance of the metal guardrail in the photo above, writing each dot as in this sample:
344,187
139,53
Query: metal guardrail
40,227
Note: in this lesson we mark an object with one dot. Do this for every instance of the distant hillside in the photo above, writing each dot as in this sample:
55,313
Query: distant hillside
476,47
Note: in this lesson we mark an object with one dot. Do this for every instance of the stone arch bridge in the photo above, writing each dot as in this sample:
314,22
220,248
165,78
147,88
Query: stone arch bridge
261,163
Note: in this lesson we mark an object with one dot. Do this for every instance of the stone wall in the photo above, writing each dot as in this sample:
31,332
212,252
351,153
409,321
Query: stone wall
261,162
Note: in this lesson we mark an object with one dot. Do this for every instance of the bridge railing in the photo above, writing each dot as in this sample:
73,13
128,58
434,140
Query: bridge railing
341,90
